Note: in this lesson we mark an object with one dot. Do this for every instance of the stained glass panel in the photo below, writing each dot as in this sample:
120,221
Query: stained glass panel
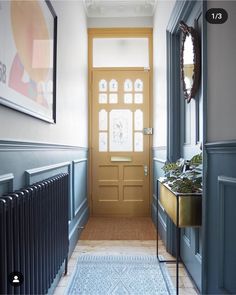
102,141
113,98
121,131
138,142
128,98
103,85
113,85
102,98
138,85
138,120
128,85
138,98
103,120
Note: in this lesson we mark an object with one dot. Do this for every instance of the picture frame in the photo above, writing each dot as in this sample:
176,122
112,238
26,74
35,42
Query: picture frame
28,38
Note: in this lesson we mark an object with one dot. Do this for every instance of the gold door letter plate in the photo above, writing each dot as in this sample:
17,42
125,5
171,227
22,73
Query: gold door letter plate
121,159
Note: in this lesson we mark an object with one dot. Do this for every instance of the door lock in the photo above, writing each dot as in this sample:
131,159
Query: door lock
147,131
145,168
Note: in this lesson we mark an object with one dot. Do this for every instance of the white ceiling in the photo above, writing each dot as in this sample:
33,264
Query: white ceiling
119,8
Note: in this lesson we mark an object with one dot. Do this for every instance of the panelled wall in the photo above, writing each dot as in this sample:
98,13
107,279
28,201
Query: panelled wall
159,158
165,225
31,149
24,163
219,236
219,258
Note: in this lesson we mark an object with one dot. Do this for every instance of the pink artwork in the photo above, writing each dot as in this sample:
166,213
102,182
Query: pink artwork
29,57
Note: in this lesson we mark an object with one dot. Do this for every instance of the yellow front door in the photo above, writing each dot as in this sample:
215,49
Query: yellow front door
120,150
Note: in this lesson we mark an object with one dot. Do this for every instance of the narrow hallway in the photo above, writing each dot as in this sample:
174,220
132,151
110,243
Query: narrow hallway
117,147
121,237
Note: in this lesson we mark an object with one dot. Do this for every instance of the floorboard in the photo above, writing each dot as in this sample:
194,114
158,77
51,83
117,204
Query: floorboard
133,228
125,244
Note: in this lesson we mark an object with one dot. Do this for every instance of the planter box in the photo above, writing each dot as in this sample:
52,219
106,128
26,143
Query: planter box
190,206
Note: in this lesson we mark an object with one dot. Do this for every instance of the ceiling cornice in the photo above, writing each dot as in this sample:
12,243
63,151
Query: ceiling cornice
119,8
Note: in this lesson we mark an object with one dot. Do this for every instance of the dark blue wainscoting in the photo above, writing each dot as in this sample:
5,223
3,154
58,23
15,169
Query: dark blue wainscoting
219,236
159,158
23,163
165,225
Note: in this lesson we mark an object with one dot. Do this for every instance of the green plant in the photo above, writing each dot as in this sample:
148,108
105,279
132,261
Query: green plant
184,176
170,167
173,169
185,185
196,160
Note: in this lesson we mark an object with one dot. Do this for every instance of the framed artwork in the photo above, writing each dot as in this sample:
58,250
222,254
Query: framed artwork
28,35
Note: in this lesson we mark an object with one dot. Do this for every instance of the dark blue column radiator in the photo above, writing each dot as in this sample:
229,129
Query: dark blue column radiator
34,235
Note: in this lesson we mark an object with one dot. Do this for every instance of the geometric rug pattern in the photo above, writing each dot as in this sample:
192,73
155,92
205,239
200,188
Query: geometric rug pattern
119,275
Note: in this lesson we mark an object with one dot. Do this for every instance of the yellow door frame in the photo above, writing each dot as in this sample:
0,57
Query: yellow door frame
119,33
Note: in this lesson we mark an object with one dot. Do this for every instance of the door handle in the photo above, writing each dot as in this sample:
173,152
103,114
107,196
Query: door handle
145,168
148,131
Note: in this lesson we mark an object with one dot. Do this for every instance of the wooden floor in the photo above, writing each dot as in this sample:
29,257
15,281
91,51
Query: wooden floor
103,228
122,247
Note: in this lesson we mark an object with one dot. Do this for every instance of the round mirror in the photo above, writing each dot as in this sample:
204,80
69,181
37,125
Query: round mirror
190,61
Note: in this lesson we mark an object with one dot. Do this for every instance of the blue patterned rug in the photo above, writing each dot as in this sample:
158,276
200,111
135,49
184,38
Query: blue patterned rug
120,275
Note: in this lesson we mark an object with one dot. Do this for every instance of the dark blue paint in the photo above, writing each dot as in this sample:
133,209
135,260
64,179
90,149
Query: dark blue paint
6,183
159,158
165,225
79,184
219,256
180,141
42,161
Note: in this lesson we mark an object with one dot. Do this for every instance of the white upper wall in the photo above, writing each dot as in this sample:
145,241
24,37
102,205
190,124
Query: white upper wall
72,98
221,84
161,19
